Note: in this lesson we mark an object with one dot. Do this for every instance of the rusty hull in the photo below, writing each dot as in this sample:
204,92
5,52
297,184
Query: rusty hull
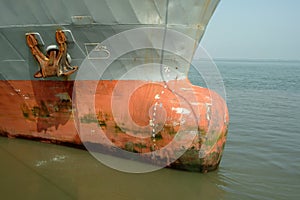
48,111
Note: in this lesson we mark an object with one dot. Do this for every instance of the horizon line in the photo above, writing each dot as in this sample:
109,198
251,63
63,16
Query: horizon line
249,59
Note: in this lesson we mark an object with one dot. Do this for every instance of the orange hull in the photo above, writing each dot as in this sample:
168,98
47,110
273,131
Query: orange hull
136,116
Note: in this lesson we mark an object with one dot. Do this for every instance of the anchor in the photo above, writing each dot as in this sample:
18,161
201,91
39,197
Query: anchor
56,62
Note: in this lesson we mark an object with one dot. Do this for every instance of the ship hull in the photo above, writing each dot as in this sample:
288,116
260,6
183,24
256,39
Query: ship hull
119,115
130,92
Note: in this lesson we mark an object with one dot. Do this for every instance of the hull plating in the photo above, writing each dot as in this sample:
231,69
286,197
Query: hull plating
136,116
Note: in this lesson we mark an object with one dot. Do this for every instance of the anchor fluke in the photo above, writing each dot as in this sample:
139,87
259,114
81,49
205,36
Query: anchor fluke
56,62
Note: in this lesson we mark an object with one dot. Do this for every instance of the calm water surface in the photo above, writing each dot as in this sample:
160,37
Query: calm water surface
261,158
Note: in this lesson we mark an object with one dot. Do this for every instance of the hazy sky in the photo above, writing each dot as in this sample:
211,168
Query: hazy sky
264,29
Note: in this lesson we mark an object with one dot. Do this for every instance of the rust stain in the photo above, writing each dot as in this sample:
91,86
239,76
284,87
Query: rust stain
48,116
56,62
